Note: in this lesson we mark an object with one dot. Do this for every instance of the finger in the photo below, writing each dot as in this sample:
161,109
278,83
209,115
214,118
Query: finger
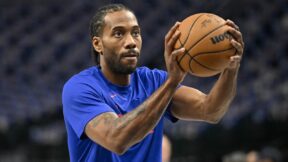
173,40
177,52
237,46
172,31
234,61
232,24
236,34
235,58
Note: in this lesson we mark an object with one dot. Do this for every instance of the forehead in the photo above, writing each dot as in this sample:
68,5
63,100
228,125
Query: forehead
122,18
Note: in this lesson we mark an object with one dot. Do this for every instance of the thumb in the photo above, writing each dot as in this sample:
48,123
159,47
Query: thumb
177,52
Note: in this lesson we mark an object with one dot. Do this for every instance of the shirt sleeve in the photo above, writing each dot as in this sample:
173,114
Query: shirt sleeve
81,104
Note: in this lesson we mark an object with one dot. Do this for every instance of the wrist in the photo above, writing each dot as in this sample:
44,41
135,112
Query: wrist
172,82
230,72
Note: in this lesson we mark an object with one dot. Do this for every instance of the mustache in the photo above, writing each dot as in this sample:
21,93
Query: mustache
131,53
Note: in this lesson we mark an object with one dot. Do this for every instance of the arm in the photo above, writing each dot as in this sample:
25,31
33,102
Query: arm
191,104
118,134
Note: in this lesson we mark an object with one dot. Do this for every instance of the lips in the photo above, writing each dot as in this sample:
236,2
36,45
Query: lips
130,56
131,53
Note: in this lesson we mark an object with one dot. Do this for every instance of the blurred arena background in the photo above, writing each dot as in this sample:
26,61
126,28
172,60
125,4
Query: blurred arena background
44,42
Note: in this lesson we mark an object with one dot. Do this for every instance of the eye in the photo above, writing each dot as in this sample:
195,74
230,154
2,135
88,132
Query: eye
136,33
117,34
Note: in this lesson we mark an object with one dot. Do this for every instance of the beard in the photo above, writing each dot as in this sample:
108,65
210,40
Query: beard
118,67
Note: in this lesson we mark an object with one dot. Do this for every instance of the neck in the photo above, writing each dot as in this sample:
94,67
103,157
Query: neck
117,79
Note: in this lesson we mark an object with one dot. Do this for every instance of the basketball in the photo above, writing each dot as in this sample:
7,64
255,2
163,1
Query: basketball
207,45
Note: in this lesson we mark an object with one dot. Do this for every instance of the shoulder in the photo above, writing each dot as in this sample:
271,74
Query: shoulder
86,76
82,81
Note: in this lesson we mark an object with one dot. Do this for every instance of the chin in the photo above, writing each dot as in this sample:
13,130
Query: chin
130,70
125,70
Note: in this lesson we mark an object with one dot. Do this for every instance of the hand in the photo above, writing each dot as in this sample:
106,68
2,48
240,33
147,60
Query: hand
238,43
175,73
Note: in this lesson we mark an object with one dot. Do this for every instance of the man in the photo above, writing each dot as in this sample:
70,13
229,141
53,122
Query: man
270,154
166,149
252,156
114,111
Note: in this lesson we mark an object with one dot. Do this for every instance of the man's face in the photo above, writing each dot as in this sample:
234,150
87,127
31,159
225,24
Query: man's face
121,42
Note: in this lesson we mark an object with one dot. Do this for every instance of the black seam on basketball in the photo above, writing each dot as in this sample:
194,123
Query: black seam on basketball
211,69
204,37
185,53
211,52
179,61
191,70
180,65
192,58
182,44
192,25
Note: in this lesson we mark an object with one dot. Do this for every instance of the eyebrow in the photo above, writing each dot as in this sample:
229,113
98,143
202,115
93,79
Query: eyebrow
122,27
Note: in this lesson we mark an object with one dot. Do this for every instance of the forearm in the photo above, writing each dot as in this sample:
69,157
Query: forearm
135,125
221,95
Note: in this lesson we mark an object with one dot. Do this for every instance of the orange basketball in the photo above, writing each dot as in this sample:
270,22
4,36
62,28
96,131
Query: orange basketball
207,45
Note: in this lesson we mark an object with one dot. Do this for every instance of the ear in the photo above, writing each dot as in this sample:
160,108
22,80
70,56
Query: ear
97,44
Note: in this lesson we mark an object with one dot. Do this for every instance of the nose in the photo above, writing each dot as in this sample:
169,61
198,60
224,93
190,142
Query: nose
130,42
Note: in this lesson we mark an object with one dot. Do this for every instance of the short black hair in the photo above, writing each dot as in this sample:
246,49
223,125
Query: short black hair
97,24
